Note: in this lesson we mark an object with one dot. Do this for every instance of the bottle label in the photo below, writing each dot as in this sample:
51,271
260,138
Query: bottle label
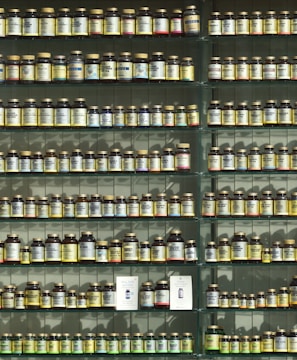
255,252
27,73
160,26
37,254
183,161
161,208
76,71
95,26
17,209
237,207
284,116
94,298
214,27
147,208
81,209
144,119
214,71
154,164
30,210
101,255
242,117
32,297
210,255
12,251
252,208
30,26
76,163
168,119
242,72
280,344
79,117
62,117
86,251
43,72
256,71
13,72
157,70
174,209
108,209
80,26
69,252
256,26
239,250
29,117
212,341
14,26
133,209
2,27
228,117
140,70
283,71
228,162
214,117
144,254
95,209
269,72
172,72
144,25
228,72
167,162
130,251
46,117
52,252
63,26
91,71
242,27
228,27
289,254
12,164
115,254
192,24
47,26
108,298
93,120
190,254
158,253
106,119
162,297
124,70
59,299
56,209
112,25
120,209
208,208
115,163
270,26
212,299
175,251
64,165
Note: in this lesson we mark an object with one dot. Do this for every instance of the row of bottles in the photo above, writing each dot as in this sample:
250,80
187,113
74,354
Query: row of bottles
279,341
242,204
64,114
96,206
256,23
255,160
255,69
79,68
254,115
80,22
240,249
87,249
92,343
97,296
284,298
26,161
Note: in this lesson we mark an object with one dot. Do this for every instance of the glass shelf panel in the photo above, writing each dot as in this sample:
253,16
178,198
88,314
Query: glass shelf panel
103,219
97,265
97,174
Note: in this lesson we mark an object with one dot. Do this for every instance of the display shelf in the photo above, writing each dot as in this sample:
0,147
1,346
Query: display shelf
133,130
92,356
95,310
215,355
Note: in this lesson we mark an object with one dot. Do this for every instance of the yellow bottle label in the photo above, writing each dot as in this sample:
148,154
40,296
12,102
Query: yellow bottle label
94,299
32,297
212,341
69,252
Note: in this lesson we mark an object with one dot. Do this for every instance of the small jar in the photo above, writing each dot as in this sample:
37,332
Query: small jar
108,67
42,208
242,114
242,24
53,253
86,248
78,113
212,296
45,113
191,21
46,299
256,23
27,69
255,248
108,206
252,208
215,69
222,204
76,161
59,69
124,67
96,19
175,247
133,206
17,207
69,249
81,207
130,245
128,21
146,295
158,250
144,252
56,207
101,252
140,67
242,69
32,295
108,296
168,160
160,23
239,247
50,161
13,113
146,205
162,295
43,68
270,23
210,252
59,296
228,159
12,70
224,250
285,113
276,252
172,68
271,298
215,24
228,69
228,23
13,24
25,161
63,23
183,157
289,250
37,251
228,114
12,162
112,22
80,20
187,69
157,67
47,23
269,68
281,204
144,22
75,67
62,113
81,300
68,207
71,299
280,341
115,251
